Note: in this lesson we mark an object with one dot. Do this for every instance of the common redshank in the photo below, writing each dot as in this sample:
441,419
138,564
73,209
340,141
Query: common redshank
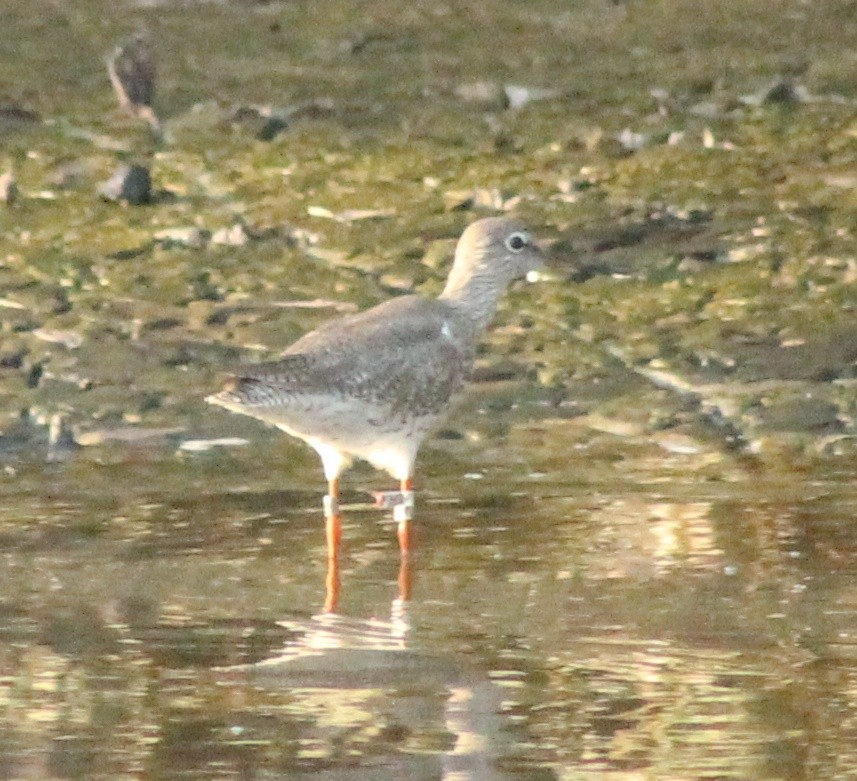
373,385
132,71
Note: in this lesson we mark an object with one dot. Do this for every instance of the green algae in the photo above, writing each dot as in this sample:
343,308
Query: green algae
734,217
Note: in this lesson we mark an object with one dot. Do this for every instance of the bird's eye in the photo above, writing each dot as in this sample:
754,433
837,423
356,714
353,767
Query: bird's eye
517,241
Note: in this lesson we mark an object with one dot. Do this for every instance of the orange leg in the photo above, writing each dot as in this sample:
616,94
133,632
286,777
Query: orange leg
332,585
404,579
332,520
404,528
333,535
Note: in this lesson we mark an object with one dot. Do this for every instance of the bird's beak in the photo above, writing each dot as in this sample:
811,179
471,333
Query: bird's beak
536,272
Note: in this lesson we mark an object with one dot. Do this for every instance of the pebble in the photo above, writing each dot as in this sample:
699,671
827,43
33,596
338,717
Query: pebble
236,236
632,141
350,215
8,189
69,339
129,435
130,183
611,425
262,122
781,91
490,95
68,174
16,115
483,94
191,237
202,445
480,198
678,444
518,97
12,355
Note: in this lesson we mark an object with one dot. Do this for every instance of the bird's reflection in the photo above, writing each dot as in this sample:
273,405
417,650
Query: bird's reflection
333,583
333,578
360,670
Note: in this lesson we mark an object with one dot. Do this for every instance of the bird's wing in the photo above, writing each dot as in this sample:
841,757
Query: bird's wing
409,353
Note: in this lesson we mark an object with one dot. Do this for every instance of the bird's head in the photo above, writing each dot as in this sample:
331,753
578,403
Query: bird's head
493,251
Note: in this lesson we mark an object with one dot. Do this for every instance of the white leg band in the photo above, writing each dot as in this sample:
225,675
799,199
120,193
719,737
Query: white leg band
331,506
404,511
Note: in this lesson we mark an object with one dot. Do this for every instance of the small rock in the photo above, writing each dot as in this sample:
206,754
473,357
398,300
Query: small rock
67,175
262,121
271,128
322,212
458,200
201,445
481,197
316,108
678,444
12,355
483,94
16,115
492,198
236,236
349,215
191,237
707,109
782,91
356,215
632,141
69,339
612,425
518,97
130,183
34,373
8,189
316,303
127,435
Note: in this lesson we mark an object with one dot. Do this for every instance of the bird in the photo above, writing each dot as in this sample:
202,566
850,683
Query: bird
132,71
375,384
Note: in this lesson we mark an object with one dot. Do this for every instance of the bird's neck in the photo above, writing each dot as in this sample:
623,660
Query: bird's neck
477,294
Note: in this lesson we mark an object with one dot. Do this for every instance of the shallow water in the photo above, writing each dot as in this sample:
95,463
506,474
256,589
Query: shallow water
635,621
636,548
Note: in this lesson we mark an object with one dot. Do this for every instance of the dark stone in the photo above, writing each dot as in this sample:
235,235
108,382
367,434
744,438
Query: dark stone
130,183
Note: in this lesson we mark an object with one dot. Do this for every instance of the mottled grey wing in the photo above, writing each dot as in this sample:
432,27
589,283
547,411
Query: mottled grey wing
401,355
